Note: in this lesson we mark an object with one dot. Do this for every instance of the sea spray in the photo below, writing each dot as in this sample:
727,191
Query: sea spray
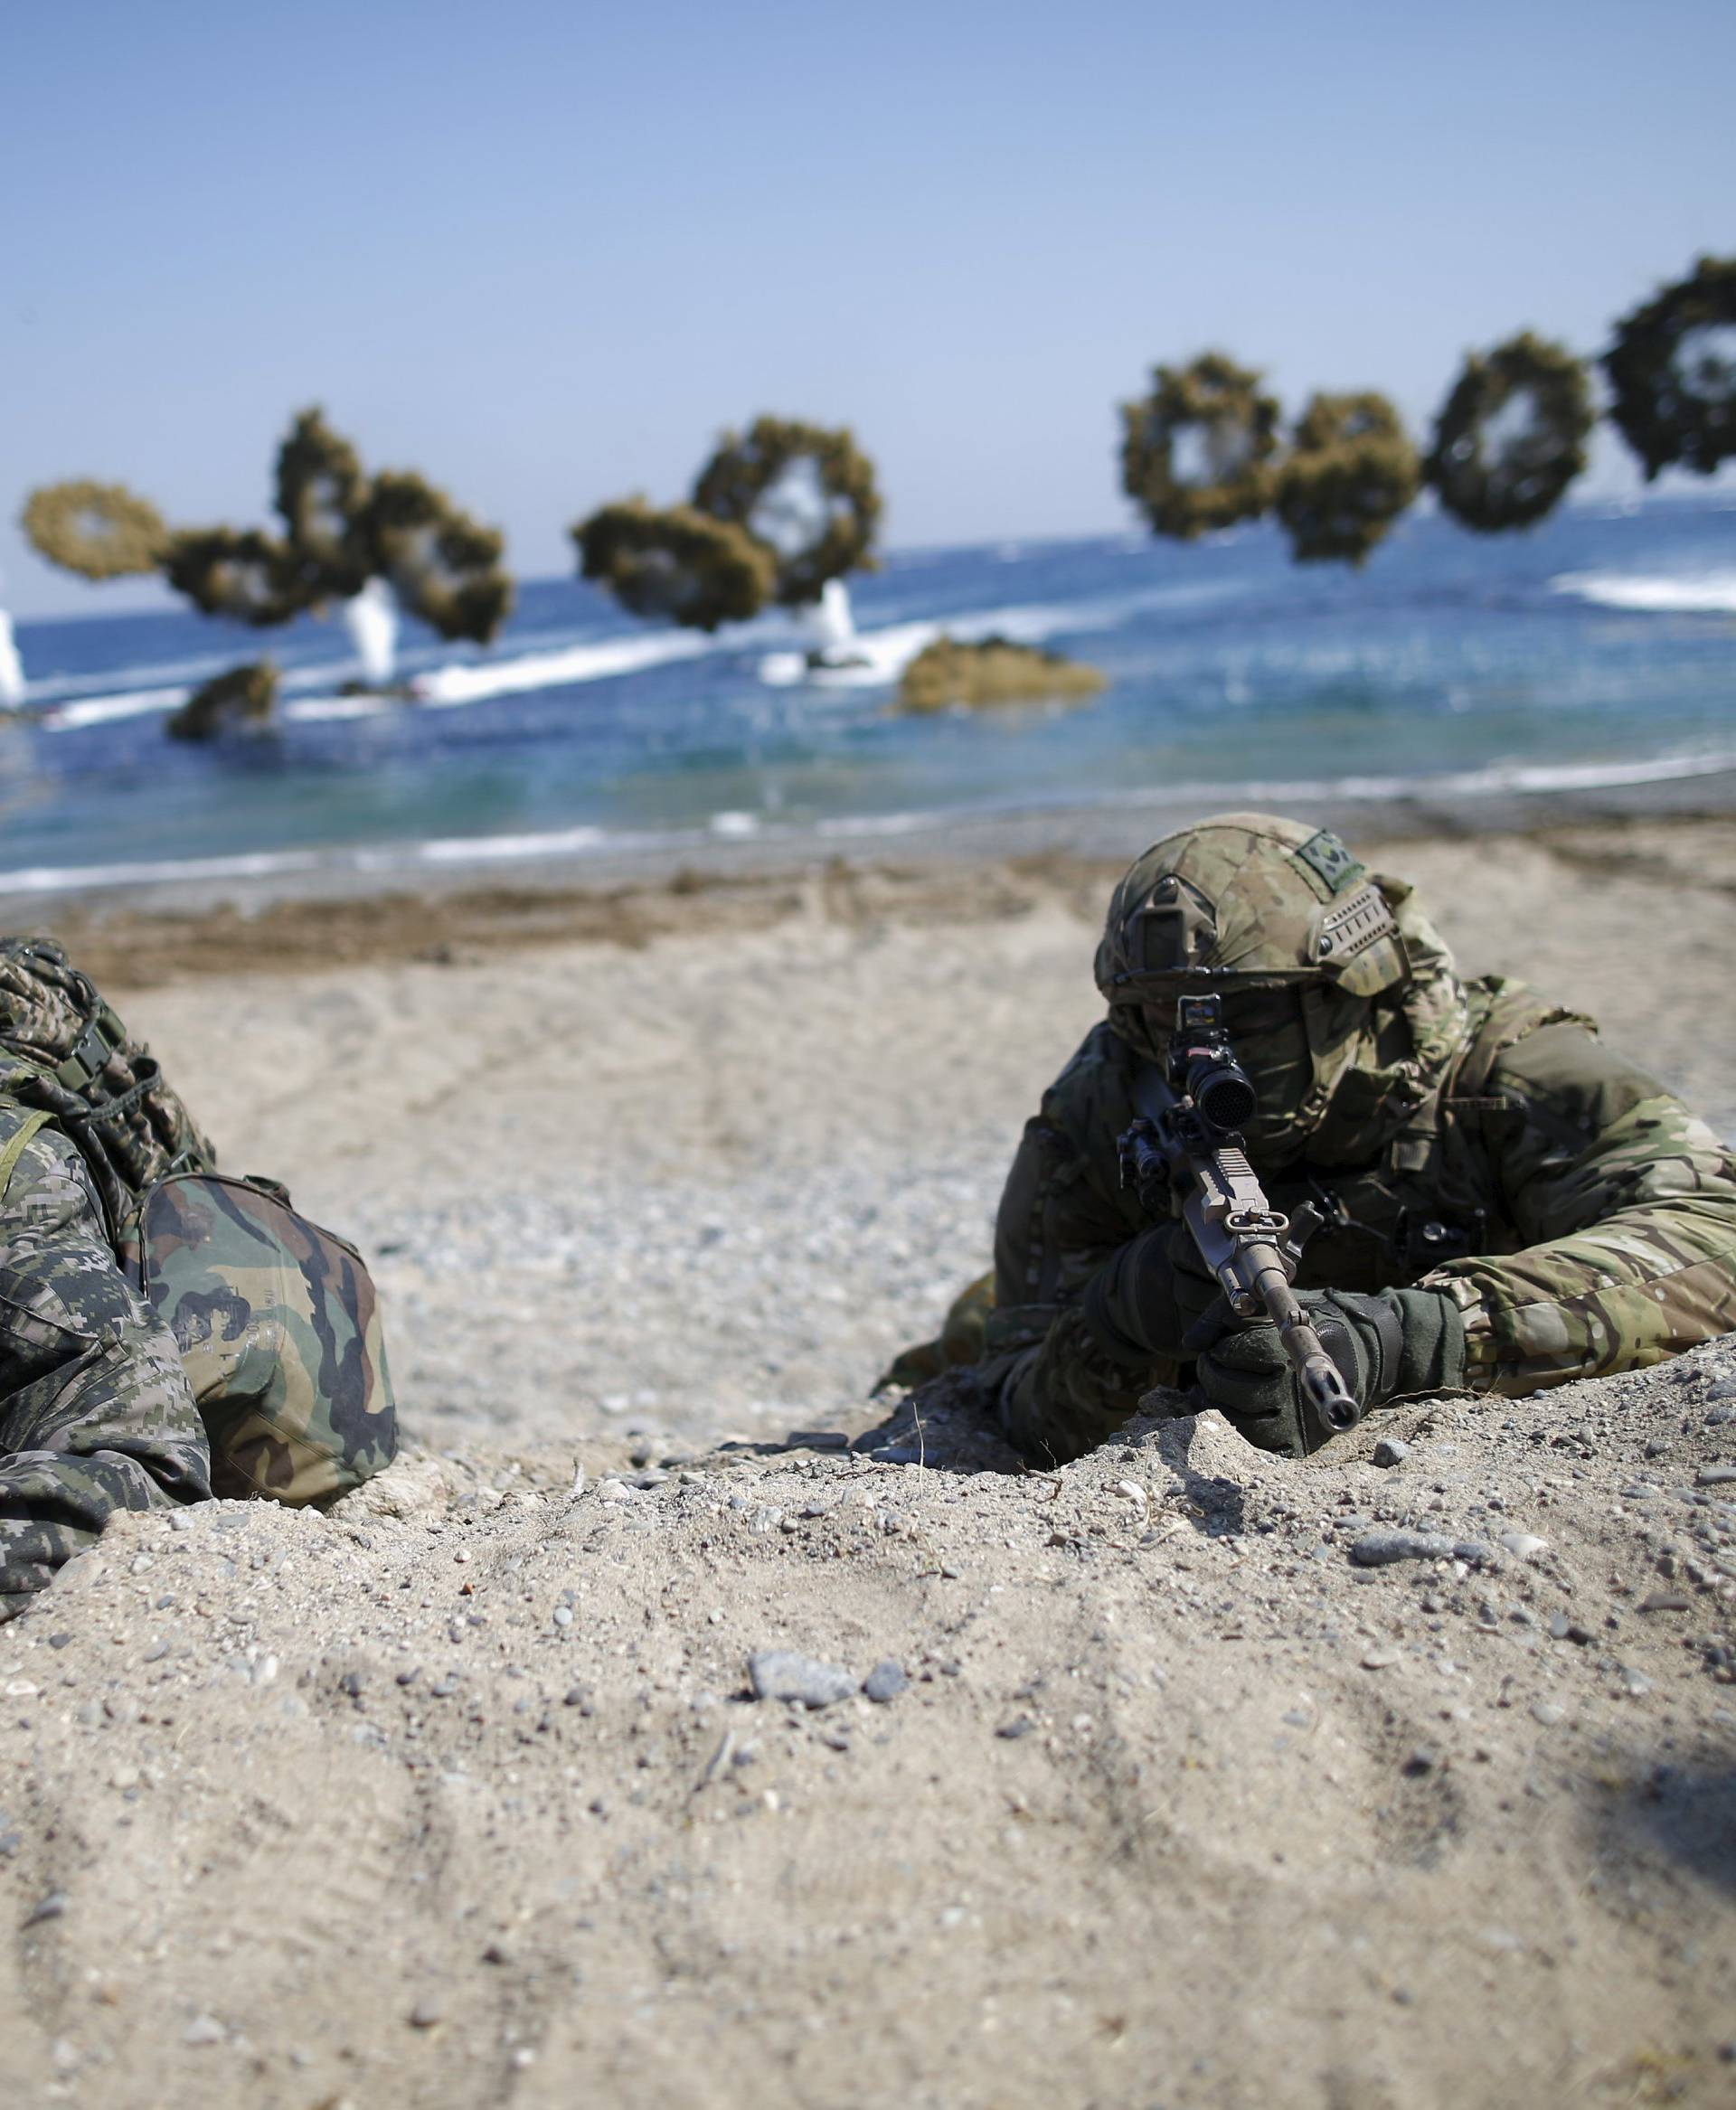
12,668
371,618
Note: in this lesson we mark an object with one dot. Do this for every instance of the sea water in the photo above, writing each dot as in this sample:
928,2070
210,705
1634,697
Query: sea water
1598,649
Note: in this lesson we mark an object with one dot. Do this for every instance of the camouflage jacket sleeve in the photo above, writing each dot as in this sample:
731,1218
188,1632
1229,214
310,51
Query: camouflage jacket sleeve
1629,1203
1062,1392
94,1410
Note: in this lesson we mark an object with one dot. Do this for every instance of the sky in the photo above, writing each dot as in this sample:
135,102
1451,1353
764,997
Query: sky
544,250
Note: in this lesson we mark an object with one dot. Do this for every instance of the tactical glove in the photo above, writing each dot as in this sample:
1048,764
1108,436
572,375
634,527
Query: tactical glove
1145,1297
1396,1342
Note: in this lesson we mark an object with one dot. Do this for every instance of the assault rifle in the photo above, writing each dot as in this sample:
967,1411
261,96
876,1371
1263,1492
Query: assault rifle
1187,1150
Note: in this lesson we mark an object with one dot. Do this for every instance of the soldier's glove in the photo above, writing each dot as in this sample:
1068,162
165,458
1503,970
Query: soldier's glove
1145,1298
1387,1346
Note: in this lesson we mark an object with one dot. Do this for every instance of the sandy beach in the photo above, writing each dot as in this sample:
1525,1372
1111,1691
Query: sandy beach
458,1795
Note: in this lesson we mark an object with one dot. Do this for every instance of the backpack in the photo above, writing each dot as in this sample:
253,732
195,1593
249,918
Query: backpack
276,1319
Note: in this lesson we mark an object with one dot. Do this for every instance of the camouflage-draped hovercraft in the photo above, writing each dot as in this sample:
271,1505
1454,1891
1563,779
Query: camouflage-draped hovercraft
373,545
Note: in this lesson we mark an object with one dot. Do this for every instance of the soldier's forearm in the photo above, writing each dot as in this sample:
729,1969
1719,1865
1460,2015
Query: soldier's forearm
54,1504
1641,1286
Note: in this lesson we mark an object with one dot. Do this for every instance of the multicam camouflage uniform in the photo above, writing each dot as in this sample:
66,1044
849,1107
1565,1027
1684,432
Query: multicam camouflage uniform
165,1332
1461,1137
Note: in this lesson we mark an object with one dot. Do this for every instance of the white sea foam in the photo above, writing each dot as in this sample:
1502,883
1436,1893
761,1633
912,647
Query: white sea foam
317,710
105,709
449,686
1662,593
510,848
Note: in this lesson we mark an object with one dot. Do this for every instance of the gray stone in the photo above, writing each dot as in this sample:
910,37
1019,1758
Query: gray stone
51,1907
1715,1476
779,1674
204,2030
885,1681
425,2014
1021,1725
1381,1549
1380,1659
1547,1713
1391,1451
1524,1544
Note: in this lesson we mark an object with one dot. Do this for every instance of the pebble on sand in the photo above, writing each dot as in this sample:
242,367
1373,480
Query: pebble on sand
779,1674
884,1682
1381,1549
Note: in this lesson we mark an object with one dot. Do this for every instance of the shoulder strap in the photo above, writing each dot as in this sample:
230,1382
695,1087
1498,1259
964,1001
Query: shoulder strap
1510,1014
14,1147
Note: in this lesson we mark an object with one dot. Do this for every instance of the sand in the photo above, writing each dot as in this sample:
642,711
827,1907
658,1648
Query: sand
458,1797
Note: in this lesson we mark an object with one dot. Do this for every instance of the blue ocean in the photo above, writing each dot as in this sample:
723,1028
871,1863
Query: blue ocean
1597,649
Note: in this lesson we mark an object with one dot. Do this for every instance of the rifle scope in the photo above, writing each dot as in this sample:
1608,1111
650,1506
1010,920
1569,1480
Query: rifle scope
1203,1065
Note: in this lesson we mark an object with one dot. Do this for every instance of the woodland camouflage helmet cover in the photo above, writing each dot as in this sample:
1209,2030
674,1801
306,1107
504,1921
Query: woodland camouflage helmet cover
1348,1003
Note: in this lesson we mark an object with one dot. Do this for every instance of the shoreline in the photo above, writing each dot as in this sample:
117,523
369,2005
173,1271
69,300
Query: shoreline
998,867
1111,830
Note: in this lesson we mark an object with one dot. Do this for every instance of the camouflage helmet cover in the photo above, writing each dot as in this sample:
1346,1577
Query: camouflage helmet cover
1247,900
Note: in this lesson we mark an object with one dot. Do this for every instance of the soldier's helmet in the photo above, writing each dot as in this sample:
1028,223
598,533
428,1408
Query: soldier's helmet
1251,906
1243,900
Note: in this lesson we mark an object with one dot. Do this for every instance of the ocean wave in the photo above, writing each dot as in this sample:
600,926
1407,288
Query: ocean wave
106,709
586,841
1661,593
601,661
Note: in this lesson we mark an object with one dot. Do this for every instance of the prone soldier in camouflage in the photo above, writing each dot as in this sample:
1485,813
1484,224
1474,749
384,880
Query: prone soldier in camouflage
165,1332
1508,1203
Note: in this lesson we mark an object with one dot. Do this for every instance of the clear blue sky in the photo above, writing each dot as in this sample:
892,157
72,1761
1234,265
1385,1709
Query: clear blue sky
544,250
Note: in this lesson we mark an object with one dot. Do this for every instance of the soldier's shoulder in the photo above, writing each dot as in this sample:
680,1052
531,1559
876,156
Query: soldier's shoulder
1539,1052
32,1148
